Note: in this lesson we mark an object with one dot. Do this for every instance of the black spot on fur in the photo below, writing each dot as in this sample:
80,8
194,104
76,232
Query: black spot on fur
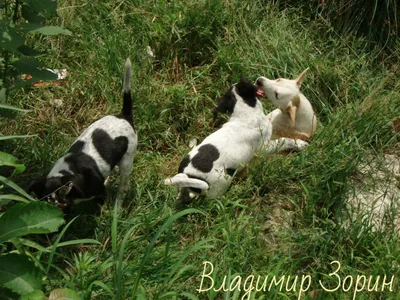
111,150
184,163
37,186
247,91
204,159
82,171
87,179
226,104
52,184
230,171
77,147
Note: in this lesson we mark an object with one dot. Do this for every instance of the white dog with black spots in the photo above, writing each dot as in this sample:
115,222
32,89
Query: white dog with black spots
209,167
83,171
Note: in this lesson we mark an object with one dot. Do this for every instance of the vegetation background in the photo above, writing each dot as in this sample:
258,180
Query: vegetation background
200,48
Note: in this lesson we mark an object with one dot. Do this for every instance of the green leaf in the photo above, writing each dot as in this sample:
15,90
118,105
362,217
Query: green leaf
9,39
35,295
45,8
15,186
9,111
28,51
189,296
45,30
6,294
11,161
3,95
5,199
34,68
168,295
29,218
19,274
64,294
78,242
32,244
30,15
101,285
141,293
27,27
12,137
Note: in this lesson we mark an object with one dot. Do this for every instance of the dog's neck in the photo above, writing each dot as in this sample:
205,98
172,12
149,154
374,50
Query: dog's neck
246,114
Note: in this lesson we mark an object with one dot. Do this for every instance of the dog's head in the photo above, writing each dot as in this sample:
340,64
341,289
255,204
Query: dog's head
243,91
57,190
283,93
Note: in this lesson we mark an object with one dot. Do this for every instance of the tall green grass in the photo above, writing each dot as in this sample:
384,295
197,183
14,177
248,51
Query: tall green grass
376,20
201,48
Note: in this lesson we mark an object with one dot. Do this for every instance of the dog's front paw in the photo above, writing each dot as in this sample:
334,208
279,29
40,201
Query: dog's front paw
301,145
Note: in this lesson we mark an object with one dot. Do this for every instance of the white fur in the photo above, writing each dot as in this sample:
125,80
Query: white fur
237,141
286,96
83,169
114,127
247,131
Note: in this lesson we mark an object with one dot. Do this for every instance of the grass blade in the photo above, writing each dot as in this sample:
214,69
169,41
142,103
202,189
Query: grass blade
16,187
150,247
5,199
55,245
11,137
119,273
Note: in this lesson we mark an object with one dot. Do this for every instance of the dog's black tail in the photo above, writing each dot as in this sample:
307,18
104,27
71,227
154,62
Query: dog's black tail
127,113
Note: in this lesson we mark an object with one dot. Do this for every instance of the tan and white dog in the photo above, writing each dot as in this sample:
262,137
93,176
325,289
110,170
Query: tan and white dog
294,117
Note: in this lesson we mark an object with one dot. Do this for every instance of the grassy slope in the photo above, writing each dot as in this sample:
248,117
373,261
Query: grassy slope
201,48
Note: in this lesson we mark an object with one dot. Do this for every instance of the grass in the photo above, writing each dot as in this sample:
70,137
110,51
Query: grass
201,48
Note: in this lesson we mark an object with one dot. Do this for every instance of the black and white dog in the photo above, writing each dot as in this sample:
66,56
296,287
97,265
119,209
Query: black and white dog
83,171
210,166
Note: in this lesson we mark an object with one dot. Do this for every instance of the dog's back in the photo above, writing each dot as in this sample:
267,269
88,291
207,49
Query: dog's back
108,142
228,149
107,139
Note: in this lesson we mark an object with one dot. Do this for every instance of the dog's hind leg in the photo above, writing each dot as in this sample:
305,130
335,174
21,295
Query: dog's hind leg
284,144
125,169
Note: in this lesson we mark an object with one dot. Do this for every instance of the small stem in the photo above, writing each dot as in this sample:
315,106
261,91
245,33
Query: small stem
15,16
6,53
5,9
5,81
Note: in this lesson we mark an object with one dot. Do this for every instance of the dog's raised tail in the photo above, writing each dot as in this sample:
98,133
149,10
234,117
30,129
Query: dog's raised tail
127,104
182,181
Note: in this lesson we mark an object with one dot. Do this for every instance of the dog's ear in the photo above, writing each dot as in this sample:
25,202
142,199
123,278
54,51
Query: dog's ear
291,112
296,101
299,80
226,104
36,186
